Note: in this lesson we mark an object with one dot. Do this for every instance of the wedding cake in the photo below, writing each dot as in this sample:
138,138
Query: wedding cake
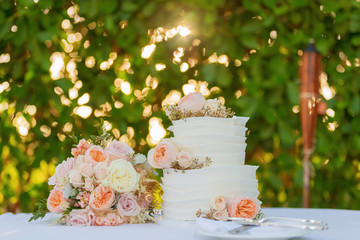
204,171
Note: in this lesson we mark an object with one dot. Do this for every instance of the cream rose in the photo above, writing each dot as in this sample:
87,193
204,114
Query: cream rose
192,102
218,203
184,159
163,154
75,178
101,170
213,105
119,150
122,176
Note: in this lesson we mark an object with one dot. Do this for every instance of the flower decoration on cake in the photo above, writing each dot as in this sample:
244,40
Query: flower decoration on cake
104,183
195,105
236,207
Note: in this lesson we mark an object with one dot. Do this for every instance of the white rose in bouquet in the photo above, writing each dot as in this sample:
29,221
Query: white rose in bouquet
122,176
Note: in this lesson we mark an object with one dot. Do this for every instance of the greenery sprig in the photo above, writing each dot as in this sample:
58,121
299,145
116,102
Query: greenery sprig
41,210
175,113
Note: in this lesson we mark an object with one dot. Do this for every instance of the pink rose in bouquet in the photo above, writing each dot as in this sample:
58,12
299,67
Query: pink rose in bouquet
95,155
75,178
243,207
81,148
84,198
86,169
119,150
101,171
128,206
163,154
102,198
80,217
56,203
110,219
192,102
61,171
89,185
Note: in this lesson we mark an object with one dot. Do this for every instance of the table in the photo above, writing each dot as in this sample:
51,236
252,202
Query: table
343,225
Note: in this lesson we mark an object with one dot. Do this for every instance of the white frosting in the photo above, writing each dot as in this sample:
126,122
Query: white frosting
221,139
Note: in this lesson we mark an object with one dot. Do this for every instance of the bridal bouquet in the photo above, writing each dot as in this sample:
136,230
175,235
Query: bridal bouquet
103,184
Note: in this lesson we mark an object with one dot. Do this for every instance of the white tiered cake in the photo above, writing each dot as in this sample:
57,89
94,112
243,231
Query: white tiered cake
218,145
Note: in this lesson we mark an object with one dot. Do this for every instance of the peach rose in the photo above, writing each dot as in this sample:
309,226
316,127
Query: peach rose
221,214
243,207
102,198
95,155
61,171
56,202
119,150
192,102
89,185
184,159
218,203
163,154
76,178
86,169
101,170
128,206
80,217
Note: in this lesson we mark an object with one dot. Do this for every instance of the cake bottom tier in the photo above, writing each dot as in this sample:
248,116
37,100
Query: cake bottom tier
185,193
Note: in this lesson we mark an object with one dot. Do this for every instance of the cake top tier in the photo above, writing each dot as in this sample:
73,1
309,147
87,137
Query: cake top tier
195,105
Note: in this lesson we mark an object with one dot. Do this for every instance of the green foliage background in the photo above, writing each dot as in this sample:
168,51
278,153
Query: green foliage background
267,79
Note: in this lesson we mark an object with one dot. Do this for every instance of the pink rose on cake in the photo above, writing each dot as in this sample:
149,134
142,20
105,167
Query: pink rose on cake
221,214
192,102
163,154
243,207
218,203
119,150
184,159
128,206
102,198
80,217
95,155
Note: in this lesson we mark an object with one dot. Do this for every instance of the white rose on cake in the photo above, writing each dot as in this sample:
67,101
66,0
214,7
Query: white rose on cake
213,105
122,176
184,159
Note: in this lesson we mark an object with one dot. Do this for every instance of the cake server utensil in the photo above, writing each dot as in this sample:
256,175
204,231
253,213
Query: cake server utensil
307,224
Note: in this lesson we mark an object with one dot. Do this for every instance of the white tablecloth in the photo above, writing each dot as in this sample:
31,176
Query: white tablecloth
343,225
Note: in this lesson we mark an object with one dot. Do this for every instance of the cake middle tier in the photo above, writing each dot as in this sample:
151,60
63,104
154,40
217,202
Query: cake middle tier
205,182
